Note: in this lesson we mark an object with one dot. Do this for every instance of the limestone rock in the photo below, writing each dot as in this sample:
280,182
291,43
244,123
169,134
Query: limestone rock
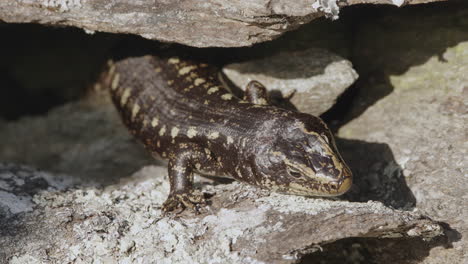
211,23
122,223
74,135
314,78
413,100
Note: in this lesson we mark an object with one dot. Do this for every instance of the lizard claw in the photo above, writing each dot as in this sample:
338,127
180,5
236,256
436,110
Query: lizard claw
178,202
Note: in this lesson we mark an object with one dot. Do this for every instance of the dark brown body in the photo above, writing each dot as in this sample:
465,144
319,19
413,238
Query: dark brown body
181,112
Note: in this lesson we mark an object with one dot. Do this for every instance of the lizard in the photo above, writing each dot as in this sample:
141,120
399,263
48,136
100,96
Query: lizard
181,112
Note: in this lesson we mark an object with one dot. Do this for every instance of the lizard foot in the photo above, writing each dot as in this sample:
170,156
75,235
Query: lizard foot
179,201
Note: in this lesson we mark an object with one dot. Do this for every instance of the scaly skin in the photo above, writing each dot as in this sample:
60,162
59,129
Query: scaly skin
181,112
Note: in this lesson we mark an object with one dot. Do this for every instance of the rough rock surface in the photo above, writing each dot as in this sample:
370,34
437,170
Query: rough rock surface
122,223
74,140
222,23
312,78
414,100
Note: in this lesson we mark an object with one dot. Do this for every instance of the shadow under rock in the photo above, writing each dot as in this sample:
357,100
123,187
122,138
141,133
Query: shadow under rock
377,176
388,41
378,250
391,41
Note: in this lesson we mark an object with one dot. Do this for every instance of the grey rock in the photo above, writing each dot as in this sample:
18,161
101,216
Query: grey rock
314,78
74,140
122,223
18,184
222,23
414,101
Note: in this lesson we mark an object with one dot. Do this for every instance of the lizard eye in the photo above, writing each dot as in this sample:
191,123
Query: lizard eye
294,172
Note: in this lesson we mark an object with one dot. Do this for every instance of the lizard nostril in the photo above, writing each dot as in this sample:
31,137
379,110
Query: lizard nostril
334,185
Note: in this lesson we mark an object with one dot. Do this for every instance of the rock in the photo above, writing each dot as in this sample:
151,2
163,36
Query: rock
122,223
314,77
202,24
413,100
74,140
20,183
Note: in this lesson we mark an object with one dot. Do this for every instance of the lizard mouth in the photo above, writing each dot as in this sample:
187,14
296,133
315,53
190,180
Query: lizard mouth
343,185
324,187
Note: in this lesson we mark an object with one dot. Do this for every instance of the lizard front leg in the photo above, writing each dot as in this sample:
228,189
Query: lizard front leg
182,163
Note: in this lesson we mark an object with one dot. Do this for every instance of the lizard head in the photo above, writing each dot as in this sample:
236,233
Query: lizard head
301,158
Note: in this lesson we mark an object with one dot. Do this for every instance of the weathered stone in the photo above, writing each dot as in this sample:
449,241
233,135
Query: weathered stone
122,223
313,78
73,140
221,23
413,99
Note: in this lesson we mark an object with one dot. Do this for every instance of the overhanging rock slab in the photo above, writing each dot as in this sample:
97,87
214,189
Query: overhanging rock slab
211,23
